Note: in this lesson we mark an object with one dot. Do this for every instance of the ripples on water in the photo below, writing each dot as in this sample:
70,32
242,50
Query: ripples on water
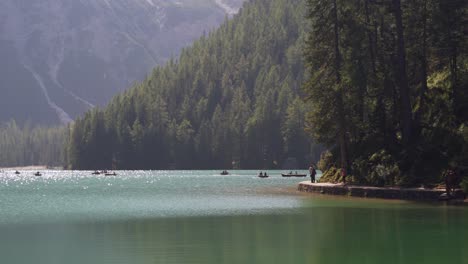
77,195
201,217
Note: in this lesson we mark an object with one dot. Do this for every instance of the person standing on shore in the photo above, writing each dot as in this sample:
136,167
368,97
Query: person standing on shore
451,180
312,173
343,175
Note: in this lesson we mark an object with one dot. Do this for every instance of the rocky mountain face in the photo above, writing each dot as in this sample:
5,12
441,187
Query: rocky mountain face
59,58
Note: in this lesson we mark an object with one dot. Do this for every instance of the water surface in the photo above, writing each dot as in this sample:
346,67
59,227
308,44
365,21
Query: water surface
202,217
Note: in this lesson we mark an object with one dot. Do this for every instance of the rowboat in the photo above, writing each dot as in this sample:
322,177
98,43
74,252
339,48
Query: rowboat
293,175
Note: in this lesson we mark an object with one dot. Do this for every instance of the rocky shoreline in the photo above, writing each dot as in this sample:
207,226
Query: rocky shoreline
394,193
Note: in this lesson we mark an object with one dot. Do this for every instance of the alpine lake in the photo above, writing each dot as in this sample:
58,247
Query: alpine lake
180,217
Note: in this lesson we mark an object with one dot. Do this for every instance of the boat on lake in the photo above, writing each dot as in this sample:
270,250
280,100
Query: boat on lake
17,172
96,173
37,174
111,174
224,173
293,175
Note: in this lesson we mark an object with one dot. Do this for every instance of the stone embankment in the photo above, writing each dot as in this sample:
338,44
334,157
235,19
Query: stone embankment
417,194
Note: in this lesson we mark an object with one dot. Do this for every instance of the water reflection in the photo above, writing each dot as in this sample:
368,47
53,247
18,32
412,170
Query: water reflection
321,235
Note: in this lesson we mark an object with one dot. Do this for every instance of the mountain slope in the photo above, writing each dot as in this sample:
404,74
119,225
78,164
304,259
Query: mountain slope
66,56
230,100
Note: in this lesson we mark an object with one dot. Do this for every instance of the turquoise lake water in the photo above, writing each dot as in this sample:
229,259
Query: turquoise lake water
202,217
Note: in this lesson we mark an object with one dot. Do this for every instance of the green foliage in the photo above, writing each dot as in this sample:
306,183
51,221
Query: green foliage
332,175
365,60
230,100
326,161
379,169
464,184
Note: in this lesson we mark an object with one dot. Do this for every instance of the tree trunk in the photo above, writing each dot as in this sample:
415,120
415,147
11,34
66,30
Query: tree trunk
342,137
424,56
454,78
370,38
337,44
372,47
423,89
342,141
381,66
405,107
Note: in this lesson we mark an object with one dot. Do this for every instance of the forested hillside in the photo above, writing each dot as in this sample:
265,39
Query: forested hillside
28,145
388,89
233,99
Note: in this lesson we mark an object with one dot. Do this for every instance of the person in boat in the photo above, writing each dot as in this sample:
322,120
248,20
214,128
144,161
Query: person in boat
261,174
266,175
290,172
312,172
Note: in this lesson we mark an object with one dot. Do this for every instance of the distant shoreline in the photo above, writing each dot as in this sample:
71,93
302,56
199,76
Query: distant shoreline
32,167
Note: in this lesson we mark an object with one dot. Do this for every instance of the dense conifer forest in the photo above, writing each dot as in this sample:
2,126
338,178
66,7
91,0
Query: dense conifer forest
231,100
388,89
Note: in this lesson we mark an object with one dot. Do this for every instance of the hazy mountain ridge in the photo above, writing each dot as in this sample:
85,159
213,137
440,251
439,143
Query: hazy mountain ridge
64,56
